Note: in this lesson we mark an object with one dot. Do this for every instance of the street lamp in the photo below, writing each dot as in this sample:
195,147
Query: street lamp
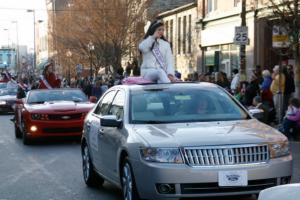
17,45
5,29
69,55
91,48
34,43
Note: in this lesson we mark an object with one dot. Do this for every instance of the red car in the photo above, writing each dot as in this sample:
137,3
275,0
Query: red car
51,113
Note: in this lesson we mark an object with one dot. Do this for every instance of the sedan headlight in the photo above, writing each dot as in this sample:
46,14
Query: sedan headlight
2,102
279,149
162,155
39,116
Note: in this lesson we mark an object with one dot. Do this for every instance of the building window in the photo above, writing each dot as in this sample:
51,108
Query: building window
167,29
171,33
212,5
1,59
179,35
236,2
190,35
184,35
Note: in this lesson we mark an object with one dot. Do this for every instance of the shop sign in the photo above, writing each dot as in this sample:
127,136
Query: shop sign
280,38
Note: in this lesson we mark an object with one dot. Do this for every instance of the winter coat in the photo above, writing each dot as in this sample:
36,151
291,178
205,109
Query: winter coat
149,60
53,81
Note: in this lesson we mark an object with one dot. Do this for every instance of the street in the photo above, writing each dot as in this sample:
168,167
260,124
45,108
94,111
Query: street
52,170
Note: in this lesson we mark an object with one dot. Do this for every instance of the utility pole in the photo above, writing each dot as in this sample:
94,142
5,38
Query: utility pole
243,47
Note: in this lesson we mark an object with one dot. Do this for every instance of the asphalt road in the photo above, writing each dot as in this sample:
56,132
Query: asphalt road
52,170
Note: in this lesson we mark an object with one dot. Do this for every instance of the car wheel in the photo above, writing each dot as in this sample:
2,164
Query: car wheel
18,133
91,178
26,140
128,182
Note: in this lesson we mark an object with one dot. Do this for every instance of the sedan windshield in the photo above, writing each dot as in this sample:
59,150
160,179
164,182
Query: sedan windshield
188,105
10,92
41,96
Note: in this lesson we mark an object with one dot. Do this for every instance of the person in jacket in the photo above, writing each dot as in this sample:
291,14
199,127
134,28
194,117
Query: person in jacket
291,123
278,88
252,90
289,85
266,94
235,81
48,79
97,90
158,61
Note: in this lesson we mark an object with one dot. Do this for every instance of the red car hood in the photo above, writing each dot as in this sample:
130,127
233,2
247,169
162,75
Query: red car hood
59,106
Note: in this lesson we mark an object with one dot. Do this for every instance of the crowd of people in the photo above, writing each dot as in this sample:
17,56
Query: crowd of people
270,92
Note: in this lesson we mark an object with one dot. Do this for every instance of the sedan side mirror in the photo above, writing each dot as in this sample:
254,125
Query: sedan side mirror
110,121
257,113
93,99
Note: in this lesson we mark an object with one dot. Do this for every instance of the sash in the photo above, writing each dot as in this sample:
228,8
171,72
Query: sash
24,87
46,82
159,58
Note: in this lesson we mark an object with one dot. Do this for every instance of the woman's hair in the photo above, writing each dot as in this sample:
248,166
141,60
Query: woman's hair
152,28
294,102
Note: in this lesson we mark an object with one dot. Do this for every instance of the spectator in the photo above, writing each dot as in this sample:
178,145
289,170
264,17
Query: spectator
128,69
235,81
266,94
278,88
289,85
252,90
291,123
258,73
258,104
135,68
96,91
87,87
222,80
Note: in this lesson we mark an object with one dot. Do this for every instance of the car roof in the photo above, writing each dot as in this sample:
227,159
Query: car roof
181,85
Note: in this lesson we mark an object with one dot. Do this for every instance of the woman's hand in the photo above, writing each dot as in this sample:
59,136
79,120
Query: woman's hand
172,78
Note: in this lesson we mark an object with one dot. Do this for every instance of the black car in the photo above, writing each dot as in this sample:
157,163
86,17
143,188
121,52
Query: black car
8,99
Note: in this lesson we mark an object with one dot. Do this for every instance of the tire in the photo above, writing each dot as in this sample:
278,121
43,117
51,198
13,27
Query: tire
26,139
18,133
128,183
90,177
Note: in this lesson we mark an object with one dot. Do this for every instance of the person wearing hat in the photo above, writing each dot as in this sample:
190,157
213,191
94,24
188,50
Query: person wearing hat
158,61
48,79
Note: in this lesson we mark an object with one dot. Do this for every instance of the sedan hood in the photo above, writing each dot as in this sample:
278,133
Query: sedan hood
207,133
59,106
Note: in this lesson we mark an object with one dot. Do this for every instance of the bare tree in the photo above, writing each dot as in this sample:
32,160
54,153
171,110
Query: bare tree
287,13
113,26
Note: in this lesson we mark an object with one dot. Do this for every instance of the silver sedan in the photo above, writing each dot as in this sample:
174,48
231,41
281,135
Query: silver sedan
169,141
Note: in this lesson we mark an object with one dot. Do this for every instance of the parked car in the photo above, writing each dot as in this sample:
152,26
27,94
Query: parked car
51,113
286,192
8,99
170,141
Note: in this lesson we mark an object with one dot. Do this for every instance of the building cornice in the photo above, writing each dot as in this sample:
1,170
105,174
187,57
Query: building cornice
177,10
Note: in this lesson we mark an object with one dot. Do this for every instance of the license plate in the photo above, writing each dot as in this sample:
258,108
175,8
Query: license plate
233,178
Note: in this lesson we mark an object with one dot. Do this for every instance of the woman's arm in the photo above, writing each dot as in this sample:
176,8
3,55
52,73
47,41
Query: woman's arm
146,44
170,61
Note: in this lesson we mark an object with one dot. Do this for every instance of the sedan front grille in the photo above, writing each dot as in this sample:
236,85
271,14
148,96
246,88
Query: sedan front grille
226,155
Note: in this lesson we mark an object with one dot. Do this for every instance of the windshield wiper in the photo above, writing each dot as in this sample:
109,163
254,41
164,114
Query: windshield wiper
37,102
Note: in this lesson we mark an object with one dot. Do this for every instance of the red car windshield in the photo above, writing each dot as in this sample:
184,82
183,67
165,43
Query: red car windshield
42,96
